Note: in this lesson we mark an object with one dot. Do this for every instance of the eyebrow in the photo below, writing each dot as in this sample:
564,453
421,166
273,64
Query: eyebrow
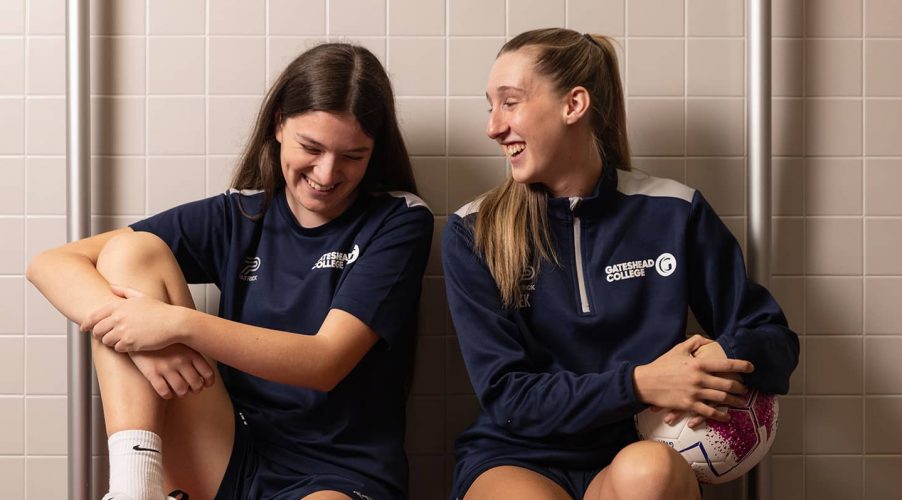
506,88
303,138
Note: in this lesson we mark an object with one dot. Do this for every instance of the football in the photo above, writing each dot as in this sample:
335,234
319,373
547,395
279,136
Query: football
718,452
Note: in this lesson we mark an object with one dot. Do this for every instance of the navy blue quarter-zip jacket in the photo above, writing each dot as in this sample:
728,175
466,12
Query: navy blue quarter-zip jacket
554,375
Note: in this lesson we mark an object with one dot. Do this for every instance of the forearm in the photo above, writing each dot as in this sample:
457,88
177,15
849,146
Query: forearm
538,405
312,361
70,282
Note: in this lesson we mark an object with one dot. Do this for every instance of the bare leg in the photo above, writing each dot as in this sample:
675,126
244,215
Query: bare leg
327,495
198,429
506,481
645,470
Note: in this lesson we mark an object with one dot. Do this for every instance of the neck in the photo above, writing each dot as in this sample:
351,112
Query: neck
584,168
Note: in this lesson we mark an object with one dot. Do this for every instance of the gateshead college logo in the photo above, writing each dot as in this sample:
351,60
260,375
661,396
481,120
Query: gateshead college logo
337,260
665,265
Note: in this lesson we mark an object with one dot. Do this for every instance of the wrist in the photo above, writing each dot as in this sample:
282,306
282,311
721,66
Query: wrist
181,328
639,378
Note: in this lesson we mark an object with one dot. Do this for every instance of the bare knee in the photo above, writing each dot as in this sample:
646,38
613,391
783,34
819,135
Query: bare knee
507,481
651,470
135,250
144,262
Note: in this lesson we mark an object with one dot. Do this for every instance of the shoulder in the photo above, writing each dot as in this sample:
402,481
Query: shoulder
393,210
463,220
470,209
461,225
249,199
400,204
638,183
411,201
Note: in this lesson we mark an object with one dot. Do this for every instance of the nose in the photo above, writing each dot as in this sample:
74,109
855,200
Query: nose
326,169
496,126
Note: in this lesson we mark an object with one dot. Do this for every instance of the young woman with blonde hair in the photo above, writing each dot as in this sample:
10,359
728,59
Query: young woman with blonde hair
318,251
569,287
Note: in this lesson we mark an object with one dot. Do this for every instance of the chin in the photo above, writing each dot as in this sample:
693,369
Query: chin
523,175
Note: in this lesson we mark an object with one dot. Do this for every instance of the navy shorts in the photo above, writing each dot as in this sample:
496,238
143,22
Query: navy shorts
574,481
250,475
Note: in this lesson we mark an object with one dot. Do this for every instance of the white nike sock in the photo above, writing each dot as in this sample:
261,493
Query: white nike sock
136,465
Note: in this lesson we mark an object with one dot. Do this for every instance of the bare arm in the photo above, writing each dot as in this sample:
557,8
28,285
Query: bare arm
68,276
317,361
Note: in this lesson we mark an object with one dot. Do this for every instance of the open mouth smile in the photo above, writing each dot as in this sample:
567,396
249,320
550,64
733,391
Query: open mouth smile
513,150
319,187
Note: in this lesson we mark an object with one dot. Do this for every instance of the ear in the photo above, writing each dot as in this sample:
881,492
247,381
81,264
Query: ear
576,104
279,125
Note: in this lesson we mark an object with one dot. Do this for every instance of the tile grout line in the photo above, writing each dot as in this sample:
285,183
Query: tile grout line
864,281
26,81
804,165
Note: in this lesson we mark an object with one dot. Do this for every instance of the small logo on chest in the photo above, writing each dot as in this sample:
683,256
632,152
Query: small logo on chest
251,265
665,265
337,260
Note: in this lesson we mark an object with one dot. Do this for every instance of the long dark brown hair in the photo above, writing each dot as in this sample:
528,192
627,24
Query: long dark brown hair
512,230
336,78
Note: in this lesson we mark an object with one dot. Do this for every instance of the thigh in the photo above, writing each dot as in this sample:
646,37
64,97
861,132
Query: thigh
507,481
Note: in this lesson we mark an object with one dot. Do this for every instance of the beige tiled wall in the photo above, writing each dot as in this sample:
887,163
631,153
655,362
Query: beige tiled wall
176,84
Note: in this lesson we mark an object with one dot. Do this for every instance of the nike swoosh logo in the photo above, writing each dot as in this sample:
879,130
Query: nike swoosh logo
139,448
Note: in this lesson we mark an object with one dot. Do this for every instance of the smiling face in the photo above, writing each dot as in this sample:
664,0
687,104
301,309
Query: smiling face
527,117
324,157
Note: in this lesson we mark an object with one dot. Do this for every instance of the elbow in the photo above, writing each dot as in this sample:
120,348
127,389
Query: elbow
324,385
325,379
36,268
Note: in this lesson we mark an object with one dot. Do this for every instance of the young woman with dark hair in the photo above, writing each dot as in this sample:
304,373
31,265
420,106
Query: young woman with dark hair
318,251
570,284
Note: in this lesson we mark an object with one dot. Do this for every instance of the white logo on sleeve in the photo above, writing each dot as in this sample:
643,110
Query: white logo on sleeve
251,265
337,260
665,264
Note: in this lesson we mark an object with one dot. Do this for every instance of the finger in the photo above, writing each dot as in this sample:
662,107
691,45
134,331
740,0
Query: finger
673,416
192,378
723,384
162,388
205,370
178,384
126,292
711,412
655,409
109,339
93,318
695,421
103,327
694,342
721,398
714,365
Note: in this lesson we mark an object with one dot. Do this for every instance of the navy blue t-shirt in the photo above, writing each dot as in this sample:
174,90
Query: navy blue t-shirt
273,273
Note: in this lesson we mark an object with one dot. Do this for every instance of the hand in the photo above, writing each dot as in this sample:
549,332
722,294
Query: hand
175,370
711,350
680,381
138,323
